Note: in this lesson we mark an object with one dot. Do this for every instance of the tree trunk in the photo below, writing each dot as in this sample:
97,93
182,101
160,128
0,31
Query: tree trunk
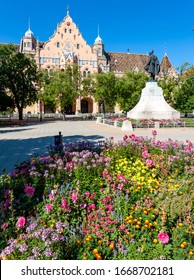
20,111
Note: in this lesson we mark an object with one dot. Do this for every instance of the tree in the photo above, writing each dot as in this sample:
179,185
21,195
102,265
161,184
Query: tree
184,97
170,87
88,86
6,103
184,67
129,89
60,88
105,92
19,76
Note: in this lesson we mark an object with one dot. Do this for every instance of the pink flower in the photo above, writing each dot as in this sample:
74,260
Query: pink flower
74,196
120,186
21,222
104,173
122,178
7,192
154,132
145,154
149,162
48,207
163,237
187,149
51,196
6,204
29,191
87,194
109,207
133,137
192,168
64,204
91,206
4,225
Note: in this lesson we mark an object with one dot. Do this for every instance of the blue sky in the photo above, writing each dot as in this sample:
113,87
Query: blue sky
137,25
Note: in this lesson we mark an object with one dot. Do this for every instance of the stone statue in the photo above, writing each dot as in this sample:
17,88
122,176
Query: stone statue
153,66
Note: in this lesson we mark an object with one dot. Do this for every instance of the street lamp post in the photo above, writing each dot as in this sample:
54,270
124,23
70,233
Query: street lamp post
40,110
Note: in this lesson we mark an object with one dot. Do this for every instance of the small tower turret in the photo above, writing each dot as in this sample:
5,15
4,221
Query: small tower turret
28,43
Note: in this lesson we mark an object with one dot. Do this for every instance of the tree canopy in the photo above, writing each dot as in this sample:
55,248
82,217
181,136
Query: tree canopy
19,78
105,91
60,88
129,89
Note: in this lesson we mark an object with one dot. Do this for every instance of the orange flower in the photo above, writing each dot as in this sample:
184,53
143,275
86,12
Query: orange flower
95,251
98,257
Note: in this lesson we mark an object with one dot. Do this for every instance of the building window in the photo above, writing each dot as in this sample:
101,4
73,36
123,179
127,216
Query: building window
24,45
69,30
28,44
82,62
41,60
84,74
78,46
58,44
65,30
55,61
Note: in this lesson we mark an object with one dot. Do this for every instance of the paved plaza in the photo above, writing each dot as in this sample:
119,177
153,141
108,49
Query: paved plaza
23,142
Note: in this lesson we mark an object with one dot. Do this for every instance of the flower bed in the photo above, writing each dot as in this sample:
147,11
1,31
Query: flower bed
150,123
127,200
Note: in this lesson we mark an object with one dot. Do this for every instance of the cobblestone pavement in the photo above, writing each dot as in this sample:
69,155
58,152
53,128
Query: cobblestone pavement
22,142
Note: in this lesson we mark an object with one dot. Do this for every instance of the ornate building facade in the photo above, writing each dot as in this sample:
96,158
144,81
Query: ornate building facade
67,46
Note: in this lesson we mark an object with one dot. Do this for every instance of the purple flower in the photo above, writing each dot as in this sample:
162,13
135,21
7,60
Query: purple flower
23,248
48,253
29,191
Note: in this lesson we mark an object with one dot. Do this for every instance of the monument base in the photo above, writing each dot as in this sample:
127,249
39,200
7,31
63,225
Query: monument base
152,105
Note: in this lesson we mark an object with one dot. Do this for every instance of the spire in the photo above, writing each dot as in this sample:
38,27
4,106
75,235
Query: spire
98,39
29,24
29,33
165,53
67,10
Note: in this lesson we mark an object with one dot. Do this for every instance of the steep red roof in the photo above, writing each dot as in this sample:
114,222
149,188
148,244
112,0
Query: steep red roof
165,65
121,62
127,61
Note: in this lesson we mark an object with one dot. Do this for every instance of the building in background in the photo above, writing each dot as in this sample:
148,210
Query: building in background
67,46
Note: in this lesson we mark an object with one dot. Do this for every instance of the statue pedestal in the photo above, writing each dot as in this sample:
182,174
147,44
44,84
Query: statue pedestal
127,126
152,105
